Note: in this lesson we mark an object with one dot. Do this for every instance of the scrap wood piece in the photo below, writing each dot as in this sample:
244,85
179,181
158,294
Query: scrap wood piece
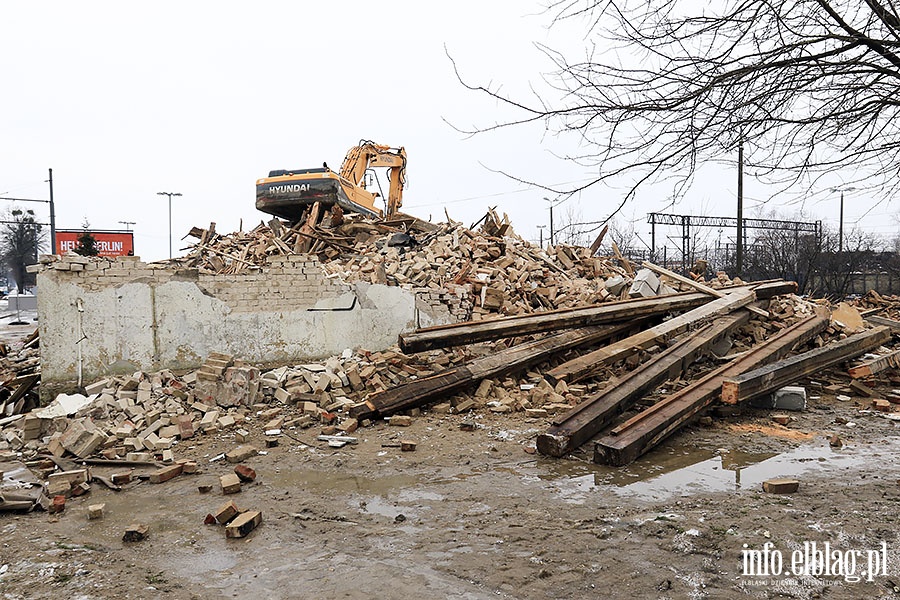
26,382
597,242
876,365
697,285
584,366
644,431
421,391
588,418
785,372
625,262
442,336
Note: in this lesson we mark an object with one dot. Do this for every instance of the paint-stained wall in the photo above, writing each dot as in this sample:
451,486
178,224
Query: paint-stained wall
99,317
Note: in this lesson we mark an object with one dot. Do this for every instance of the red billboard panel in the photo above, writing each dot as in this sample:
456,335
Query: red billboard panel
109,243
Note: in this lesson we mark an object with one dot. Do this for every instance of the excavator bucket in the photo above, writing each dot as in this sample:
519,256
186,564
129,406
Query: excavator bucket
287,194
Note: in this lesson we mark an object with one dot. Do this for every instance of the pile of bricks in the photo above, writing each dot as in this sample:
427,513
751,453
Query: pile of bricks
476,272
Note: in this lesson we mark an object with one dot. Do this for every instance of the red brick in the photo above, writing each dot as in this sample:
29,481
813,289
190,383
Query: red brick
166,473
58,505
245,473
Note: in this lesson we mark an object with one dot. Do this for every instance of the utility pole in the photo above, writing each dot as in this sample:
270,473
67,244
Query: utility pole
169,194
841,217
740,211
126,224
52,217
541,235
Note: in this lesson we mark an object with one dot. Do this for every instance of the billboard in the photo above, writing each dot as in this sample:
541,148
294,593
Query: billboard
109,243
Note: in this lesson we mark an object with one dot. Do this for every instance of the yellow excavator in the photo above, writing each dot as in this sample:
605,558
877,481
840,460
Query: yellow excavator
288,194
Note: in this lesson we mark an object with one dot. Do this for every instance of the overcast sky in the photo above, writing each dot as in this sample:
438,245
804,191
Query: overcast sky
123,100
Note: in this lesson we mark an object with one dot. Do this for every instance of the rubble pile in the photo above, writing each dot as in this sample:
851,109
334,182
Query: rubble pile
504,273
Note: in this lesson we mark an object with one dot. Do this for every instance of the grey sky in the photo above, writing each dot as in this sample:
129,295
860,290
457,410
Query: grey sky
124,100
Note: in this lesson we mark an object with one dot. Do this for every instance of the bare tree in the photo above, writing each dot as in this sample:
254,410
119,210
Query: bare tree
804,87
21,238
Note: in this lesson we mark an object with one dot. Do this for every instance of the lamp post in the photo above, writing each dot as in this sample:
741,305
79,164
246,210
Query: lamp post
841,218
169,194
551,219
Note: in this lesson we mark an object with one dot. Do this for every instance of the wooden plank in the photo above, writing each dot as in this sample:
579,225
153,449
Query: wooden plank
876,365
587,419
648,428
585,366
442,336
785,372
697,285
876,320
421,391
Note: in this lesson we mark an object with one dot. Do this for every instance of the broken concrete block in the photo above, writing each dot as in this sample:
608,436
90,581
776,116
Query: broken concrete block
241,435
95,511
407,446
136,532
231,483
243,524
615,285
790,398
645,284
781,486
241,453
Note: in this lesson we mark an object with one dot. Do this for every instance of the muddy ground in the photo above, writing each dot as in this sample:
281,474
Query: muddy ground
472,515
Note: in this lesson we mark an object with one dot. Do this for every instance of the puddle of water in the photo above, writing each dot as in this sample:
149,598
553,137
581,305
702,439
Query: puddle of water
659,475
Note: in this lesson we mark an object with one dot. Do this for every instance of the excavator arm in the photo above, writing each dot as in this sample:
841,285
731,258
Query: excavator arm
369,154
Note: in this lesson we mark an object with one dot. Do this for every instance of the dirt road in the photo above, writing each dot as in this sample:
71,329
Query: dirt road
472,515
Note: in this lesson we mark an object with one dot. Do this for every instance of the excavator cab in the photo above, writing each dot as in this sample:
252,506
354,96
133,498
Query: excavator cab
288,193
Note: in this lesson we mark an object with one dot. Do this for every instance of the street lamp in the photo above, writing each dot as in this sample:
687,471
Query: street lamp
841,219
551,219
169,194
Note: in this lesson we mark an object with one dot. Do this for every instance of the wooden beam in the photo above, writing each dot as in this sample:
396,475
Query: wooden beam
876,320
876,365
648,428
697,285
585,366
588,418
422,391
785,372
442,336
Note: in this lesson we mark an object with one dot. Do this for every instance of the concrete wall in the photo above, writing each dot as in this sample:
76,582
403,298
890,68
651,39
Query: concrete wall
100,317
